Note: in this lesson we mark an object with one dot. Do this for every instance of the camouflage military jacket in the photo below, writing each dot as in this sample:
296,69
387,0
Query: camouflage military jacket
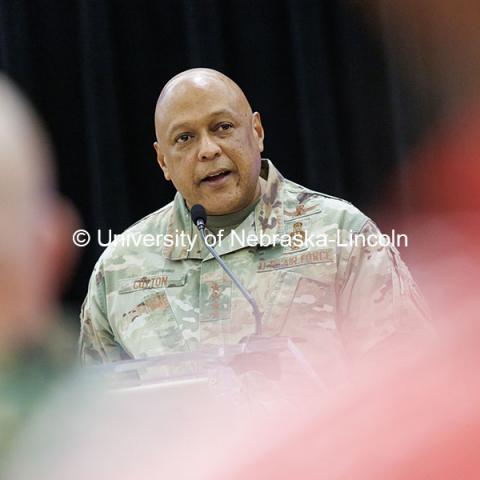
151,298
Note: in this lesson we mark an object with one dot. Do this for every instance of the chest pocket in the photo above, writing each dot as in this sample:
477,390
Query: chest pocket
300,305
304,309
300,289
148,325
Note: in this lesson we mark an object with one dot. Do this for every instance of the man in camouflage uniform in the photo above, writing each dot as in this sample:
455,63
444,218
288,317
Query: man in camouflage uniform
150,296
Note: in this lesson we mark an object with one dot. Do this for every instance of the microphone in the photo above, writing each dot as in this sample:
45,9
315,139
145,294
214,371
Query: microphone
199,218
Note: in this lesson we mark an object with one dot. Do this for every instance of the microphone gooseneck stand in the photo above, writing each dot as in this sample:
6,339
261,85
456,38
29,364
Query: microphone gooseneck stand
199,218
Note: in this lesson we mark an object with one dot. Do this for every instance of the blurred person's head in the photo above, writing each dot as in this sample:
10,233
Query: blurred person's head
35,225
436,42
209,141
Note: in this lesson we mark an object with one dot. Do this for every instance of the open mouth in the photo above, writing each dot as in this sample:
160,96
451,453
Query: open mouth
216,176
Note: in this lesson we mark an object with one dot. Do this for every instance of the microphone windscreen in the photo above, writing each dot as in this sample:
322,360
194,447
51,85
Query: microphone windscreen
198,213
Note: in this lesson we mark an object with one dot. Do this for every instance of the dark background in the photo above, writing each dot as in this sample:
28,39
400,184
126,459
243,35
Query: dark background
337,114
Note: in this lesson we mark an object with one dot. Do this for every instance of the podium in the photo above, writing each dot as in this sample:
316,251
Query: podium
253,377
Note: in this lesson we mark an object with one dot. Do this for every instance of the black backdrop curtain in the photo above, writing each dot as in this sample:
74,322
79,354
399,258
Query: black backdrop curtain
337,117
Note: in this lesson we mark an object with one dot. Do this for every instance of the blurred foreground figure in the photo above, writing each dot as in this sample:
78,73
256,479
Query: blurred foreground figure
34,254
421,421
443,221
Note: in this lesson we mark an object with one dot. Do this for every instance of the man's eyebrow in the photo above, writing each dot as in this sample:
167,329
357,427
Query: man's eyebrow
186,125
177,126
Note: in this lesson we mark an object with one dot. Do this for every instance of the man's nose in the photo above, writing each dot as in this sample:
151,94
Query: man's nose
209,149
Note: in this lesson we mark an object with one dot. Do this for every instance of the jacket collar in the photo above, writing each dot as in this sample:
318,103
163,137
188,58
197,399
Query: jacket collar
267,222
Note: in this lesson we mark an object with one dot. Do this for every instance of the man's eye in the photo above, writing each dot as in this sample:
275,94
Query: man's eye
183,138
225,126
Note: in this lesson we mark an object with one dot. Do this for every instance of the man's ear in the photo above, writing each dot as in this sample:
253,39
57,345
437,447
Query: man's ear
258,130
161,161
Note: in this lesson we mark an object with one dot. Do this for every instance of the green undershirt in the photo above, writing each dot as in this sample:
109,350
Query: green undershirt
229,222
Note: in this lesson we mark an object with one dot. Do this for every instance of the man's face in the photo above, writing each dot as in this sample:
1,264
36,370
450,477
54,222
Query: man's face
209,144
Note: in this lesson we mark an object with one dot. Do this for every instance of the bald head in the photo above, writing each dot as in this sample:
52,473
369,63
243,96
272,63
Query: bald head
36,225
24,151
198,80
